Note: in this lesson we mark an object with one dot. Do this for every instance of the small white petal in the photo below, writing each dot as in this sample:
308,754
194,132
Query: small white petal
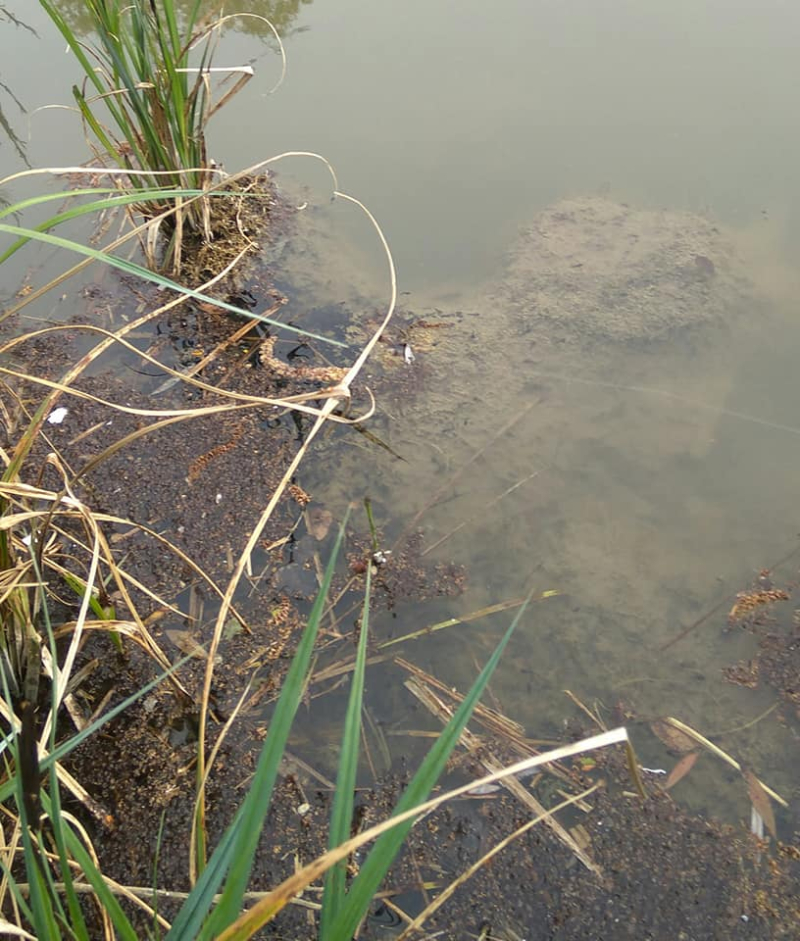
57,415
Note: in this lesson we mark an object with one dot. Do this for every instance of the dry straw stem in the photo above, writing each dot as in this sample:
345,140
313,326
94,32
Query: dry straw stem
251,401
35,426
279,897
425,914
215,751
136,232
342,390
141,229
17,489
38,557
749,724
594,716
99,549
62,678
465,618
210,357
339,669
89,846
338,395
217,26
12,489
138,895
133,894
14,931
714,749
495,722
9,848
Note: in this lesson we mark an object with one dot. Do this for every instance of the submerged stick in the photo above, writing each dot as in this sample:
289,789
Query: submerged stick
672,396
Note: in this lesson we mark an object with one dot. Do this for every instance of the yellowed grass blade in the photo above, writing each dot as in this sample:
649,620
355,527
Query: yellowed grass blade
15,931
714,749
464,619
338,395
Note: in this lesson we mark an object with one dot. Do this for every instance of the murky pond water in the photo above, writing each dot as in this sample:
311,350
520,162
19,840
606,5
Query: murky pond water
644,473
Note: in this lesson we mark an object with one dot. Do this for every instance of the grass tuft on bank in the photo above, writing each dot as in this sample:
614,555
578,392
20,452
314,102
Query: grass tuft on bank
146,100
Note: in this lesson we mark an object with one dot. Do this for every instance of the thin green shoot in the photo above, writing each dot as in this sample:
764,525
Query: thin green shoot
342,813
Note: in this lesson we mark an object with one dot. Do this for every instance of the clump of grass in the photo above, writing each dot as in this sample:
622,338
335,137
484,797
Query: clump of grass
147,100
59,862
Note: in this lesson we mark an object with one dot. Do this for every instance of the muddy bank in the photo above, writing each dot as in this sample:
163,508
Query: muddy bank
659,870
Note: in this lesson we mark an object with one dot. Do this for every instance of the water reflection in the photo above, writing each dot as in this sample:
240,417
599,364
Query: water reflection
281,13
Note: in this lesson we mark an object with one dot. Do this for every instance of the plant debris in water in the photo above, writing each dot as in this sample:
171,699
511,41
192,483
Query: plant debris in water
769,612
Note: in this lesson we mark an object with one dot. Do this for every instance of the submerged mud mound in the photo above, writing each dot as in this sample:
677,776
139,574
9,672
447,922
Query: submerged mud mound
591,268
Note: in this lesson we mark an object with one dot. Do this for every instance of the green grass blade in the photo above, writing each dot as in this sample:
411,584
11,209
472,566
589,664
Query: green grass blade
387,846
234,855
42,914
24,204
58,826
98,205
130,267
74,44
43,917
88,116
106,897
342,813
19,898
